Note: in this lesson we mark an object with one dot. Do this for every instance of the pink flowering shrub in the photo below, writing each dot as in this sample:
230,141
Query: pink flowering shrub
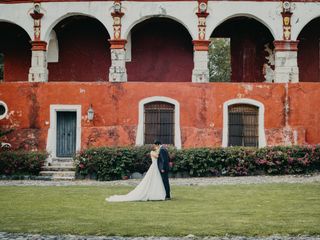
116,163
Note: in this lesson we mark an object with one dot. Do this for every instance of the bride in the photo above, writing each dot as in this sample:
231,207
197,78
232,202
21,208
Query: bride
150,188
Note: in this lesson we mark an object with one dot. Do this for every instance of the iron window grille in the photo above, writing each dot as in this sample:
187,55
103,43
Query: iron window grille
159,122
243,125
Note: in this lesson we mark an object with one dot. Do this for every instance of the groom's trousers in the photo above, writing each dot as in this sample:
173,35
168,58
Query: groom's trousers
165,180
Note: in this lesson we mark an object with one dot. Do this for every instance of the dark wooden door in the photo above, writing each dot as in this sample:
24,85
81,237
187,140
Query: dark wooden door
66,134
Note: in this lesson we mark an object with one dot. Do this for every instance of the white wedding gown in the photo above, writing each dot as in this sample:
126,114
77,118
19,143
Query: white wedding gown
150,188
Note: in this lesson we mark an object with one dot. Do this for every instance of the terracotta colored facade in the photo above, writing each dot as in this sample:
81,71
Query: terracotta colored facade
168,60
201,110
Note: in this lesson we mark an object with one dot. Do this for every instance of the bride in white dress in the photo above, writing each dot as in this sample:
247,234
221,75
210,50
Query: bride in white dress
150,188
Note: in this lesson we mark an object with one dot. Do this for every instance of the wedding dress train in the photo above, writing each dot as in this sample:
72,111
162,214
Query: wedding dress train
150,188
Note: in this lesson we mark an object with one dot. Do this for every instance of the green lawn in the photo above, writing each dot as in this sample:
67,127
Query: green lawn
248,210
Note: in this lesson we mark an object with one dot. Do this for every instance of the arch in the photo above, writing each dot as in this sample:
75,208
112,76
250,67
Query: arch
84,53
67,15
249,39
308,52
15,45
18,25
298,32
147,17
262,138
154,42
248,15
177,131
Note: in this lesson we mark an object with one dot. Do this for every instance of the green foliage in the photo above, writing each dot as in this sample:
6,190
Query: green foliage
115,163
107,163
5,132
21,162
220,60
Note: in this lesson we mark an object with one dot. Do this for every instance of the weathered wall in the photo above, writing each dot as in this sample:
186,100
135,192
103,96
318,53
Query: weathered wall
162,51
248,39
309,52
14,44
201,106
84,51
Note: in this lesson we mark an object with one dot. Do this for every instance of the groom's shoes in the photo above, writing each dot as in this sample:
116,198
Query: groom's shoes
168,198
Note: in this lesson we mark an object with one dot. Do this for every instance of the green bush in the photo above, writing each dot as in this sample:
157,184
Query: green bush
21,162
107,163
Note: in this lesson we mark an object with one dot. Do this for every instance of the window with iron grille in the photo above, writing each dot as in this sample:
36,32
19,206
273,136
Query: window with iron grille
159,122
243,125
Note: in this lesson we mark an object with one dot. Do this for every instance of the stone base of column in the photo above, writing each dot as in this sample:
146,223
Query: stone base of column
200,73
38,71
286,66
117,71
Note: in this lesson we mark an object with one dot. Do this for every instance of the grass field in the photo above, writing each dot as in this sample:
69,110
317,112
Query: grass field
249,210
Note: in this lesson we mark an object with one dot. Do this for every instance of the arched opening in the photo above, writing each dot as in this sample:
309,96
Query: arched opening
309,52
15,53
161,51
84,51
247,46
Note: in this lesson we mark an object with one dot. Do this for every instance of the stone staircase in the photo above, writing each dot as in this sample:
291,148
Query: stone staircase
59,169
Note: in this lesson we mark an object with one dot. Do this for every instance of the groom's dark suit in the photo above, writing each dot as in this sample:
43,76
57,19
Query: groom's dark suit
163,165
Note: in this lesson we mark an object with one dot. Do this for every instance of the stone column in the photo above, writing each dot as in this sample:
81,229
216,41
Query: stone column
200,73
39,70
286,64
117,71
39,66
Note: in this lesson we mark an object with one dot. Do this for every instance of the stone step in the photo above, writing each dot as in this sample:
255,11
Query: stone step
59,168
62,160
58,174
63,178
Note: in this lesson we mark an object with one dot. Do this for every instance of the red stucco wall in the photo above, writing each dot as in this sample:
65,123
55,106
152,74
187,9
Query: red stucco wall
14,44
84,51
116,110
162,51
309,52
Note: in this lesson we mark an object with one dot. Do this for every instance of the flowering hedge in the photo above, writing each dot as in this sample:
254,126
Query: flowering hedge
115,163
21,162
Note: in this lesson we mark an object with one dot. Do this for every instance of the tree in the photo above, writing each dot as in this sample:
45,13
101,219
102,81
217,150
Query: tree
220,60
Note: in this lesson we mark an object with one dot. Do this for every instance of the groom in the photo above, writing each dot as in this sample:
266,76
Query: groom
163,165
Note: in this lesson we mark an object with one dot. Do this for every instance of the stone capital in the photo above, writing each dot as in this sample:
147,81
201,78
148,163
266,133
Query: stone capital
201,45
284,45
117,43
39,46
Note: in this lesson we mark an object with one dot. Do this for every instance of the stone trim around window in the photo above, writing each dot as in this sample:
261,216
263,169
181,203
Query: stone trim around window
177,131
262,138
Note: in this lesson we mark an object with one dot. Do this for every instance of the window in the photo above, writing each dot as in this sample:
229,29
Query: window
243,125
3,110
159,122
1,67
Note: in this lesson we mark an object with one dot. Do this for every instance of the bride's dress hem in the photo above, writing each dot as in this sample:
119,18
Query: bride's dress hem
151,188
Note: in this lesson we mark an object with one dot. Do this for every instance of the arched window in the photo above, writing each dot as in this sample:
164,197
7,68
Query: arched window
159,122
243,125
159,118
